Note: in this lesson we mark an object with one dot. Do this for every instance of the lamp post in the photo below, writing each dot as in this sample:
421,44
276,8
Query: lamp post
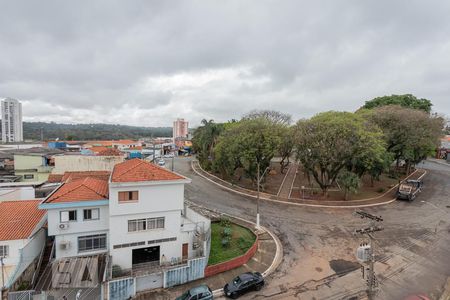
258,181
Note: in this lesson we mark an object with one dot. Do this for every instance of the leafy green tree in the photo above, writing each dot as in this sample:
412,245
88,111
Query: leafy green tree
410,134
204,140
245,144
349,181
407,100
328,142
281,126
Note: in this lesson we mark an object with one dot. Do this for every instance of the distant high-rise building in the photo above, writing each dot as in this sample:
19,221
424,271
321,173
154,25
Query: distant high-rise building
180,129
12,130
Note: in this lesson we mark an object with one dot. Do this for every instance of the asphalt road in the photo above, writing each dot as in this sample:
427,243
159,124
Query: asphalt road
413,253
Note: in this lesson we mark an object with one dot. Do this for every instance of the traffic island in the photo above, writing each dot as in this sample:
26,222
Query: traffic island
232,245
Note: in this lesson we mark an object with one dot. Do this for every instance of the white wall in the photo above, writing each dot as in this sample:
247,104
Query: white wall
77,228
72,250
152,198
66,163
17,193
14,254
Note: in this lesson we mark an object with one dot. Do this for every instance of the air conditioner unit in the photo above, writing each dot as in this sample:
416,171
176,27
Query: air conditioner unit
63,225
64,245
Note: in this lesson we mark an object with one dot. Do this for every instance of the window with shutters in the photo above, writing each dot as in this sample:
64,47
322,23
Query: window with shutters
68,216
91,214
4,251
128,196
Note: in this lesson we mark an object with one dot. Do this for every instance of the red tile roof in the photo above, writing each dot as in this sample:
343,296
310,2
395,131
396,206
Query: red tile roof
85,189
70,176
110,152
19,218
140,170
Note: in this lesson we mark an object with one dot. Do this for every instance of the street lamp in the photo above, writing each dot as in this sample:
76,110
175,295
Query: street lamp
258,181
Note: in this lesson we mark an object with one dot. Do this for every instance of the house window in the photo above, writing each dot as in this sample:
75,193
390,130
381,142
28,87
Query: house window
91,214
128,196
145,224
92,242
4,250
68,215
28,176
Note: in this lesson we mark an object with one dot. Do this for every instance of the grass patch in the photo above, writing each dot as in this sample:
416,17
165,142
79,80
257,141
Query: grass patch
241,240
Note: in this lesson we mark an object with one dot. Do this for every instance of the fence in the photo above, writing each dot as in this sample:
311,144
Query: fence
121,289
22,295
195,269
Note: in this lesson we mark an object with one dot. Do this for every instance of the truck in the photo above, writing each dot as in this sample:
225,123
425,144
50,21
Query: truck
409,189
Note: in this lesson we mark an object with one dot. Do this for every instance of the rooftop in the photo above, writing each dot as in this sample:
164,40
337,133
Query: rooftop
110,152
135,170
19,218
84,189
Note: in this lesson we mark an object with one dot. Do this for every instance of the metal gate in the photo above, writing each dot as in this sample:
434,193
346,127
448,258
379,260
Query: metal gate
22,295
121,289
150,281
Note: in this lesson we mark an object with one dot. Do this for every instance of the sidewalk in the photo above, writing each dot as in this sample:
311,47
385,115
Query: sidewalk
266,260
385,198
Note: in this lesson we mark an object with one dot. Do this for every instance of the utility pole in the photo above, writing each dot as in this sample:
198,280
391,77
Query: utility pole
257,196
372,282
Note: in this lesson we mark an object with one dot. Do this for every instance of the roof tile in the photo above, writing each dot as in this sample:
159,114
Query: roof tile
19,218
134,170
85,189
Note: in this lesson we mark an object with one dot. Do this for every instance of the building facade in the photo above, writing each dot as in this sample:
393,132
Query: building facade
12,129
138,216
180,129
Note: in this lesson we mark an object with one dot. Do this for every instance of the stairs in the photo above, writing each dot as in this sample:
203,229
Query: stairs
45,260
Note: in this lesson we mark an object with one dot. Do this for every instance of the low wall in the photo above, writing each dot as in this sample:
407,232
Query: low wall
232,263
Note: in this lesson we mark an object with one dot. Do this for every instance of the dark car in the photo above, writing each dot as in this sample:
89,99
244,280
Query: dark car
244,283
202,292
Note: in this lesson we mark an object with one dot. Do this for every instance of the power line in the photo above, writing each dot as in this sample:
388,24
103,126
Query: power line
366,253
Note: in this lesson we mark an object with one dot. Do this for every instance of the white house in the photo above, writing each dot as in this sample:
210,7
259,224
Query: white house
78,217
138,217
22,237
147,221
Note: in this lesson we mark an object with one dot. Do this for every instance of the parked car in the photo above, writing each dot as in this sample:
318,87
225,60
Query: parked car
202,292
244,283
161,162
408,190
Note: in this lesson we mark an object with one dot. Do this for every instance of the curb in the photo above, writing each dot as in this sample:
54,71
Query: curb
278,254
306,204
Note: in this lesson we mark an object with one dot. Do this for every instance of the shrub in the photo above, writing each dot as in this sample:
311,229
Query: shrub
226,242
244,244
227,232
225,222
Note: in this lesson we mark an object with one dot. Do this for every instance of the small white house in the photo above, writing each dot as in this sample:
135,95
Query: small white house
22,237
78,217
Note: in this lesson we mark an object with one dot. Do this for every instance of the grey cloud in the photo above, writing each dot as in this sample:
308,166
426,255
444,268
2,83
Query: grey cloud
90,61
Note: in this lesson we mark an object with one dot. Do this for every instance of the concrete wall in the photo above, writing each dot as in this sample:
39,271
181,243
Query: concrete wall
72,250
22,162
14,253
65,163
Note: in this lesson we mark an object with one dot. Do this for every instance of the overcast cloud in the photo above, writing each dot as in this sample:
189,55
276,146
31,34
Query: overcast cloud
148,62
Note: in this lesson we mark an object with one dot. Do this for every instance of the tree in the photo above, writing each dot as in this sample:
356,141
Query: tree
407,100
280,123
410,134
204,140
349,181
328,142
245,144
273,116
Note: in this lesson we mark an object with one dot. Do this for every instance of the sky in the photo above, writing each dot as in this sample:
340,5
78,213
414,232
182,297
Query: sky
148,62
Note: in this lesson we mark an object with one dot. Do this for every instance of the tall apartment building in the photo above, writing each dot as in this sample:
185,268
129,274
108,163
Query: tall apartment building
12,130
180,129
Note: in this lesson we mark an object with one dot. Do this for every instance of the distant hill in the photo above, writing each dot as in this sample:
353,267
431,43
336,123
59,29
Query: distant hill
32,131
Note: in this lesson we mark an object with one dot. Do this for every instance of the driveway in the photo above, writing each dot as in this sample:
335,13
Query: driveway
319,245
